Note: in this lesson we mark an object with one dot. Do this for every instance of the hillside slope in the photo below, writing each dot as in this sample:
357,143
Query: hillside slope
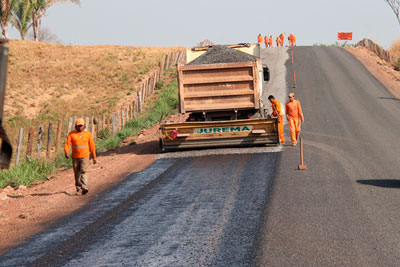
51,81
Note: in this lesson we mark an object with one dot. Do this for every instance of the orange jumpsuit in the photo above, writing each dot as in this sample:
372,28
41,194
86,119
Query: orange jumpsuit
294,113
271,41
259,39
278,42
266,39
294,40
277,113
282,37
290,38
82,144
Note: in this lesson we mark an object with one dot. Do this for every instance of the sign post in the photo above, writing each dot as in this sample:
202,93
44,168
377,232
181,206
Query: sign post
345,36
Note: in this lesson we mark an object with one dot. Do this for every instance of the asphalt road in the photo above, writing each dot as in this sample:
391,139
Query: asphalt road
199,211
345,209
257,209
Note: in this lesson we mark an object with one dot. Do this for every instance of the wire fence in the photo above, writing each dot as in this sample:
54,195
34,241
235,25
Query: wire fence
45,141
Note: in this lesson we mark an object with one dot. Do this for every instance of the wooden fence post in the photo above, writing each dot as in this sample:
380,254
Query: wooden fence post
21,131
103,122
93,130
49,133
58,137
30,142
87,123
113,124
39,147
139,101
122,118
165,63
70,125
126,115
74,121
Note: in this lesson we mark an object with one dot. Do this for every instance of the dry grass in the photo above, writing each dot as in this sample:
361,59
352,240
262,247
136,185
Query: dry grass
47,82
395,49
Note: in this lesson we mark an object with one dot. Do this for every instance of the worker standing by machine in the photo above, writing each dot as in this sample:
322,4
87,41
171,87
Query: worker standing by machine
277,112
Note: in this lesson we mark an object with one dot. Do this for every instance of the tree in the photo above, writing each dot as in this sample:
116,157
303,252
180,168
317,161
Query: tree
21,17
44,35
39,8
6,7
395,5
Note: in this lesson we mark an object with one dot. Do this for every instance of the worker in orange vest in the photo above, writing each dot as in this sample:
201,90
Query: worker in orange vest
294,114
277,112
259,39
290,39
282,37
266,40
82,145
293,40
271,41
278,42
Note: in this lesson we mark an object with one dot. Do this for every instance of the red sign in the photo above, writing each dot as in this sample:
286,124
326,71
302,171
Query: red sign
345,36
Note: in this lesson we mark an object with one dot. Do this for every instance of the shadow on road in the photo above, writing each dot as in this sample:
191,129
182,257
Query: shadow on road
146,148
389,98
51,194
388,183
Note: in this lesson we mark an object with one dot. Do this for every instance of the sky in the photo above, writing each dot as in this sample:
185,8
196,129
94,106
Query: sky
187,22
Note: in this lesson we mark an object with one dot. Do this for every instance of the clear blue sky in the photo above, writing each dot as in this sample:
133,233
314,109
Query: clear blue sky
186,22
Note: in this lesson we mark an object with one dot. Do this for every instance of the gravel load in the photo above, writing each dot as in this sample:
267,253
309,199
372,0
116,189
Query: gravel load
222,54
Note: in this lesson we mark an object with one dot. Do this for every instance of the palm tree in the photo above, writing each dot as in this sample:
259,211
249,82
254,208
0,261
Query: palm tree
21,17
39,8
6,6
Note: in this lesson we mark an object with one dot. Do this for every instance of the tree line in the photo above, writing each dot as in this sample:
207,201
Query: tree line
24,14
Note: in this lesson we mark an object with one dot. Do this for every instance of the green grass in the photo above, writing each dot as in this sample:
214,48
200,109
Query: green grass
31,171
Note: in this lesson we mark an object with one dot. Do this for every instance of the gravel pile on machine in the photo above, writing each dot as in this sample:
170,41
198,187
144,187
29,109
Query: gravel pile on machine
222,54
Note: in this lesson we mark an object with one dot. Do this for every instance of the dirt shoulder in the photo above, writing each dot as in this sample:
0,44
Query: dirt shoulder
24,213
382,70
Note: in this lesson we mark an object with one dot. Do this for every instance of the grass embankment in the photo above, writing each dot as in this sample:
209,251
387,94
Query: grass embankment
32,171
49,82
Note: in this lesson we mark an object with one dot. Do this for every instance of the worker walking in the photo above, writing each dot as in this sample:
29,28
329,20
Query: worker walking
277,112
271,41
293,40
82,145
294,114
278,42
260,39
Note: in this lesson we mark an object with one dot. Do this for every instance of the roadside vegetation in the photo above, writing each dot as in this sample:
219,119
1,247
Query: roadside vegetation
395,51
163,103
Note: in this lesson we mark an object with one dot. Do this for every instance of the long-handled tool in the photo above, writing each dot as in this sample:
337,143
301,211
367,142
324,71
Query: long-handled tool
302,166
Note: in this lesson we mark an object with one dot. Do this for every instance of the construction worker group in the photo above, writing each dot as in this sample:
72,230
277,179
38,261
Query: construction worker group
269,41
294,116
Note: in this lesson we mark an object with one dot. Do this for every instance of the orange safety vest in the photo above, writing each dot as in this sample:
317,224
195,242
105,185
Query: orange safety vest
277,108
259,38
82,144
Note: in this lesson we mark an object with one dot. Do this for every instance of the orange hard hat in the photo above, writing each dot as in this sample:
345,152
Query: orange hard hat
80,121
